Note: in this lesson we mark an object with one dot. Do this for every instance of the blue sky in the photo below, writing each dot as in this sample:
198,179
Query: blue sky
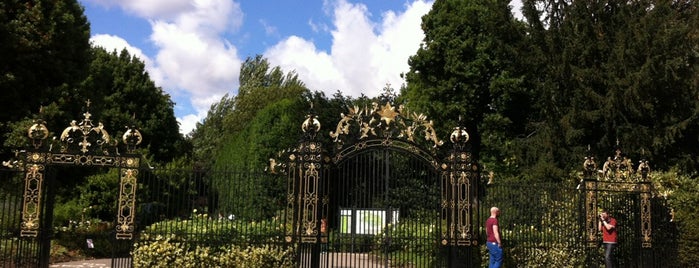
193,49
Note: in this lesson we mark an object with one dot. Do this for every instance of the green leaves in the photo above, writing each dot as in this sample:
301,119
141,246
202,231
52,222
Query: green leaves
538,92
468,68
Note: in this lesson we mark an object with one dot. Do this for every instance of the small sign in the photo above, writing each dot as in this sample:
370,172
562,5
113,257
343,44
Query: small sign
90,244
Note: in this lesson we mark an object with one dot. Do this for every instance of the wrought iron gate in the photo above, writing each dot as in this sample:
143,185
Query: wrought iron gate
626,192
382,199
384,210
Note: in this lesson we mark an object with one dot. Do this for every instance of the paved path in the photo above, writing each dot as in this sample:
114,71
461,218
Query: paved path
334,260
98,263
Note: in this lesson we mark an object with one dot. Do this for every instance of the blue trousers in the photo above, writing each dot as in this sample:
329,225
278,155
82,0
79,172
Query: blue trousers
608,257
496,255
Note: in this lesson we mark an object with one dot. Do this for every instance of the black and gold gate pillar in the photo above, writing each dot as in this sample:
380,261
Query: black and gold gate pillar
589,184
459,183
307,200
80,144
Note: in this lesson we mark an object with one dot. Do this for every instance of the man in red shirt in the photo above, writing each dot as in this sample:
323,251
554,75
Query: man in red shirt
607,226
494,243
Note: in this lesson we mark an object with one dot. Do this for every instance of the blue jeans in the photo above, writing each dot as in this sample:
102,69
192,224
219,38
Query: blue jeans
496,255
608,257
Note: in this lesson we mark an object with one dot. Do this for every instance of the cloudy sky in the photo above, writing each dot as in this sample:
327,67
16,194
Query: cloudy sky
193,49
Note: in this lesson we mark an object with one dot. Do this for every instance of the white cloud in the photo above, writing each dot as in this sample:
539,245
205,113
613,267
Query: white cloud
517,9
150,8
269,29
196,64
364,56
115,43
193,59
189,122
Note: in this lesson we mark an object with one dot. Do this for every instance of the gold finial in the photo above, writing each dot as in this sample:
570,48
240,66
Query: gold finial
87,103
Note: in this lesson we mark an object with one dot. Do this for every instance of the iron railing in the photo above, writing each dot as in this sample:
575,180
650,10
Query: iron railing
542,223
15,251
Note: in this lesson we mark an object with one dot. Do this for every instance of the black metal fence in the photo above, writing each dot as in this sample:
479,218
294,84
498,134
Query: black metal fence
209,211
181,210
542,224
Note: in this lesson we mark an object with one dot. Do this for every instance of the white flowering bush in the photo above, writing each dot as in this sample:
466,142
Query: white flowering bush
164,252
203,241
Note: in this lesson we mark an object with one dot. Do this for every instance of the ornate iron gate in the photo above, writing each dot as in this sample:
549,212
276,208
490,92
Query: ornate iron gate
626,192
81,144
382,199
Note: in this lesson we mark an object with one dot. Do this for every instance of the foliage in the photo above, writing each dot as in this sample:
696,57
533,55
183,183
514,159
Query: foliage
542,232
70,240
165,253
414,238
260,87
10,201
208,135
535,94
468,68
264,136
212,242
66,212
680,191
43,55
122,94
208,229
245,131
614,71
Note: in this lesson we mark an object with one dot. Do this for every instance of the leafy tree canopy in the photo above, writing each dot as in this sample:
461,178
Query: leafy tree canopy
613,71
468,72
44,54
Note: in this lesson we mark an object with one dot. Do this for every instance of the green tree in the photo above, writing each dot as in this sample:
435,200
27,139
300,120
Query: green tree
207,136
469,67
241,133
123,94
260,86
44,53
615,71
680,228
273,129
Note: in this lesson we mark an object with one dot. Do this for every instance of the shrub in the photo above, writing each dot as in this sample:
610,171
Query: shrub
680,191
73,237
411,237
201,241
164,252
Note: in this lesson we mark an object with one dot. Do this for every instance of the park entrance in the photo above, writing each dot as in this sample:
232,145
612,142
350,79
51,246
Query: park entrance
384,206
382,197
